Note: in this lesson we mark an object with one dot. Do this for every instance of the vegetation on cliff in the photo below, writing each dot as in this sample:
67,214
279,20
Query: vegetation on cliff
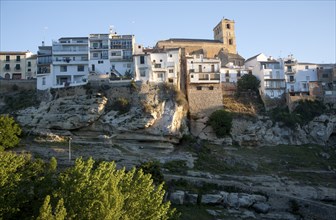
9,132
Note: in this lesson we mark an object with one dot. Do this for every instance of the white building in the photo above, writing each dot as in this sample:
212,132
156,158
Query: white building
203,70
158,66
232,74
68,65
298,75
99,61
17,65
121,54
270,72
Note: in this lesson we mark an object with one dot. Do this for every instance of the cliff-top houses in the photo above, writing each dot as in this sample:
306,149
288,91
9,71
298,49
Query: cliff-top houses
191,65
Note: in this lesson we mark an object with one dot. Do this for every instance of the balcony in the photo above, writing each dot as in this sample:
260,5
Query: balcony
104,47
69,51
290,63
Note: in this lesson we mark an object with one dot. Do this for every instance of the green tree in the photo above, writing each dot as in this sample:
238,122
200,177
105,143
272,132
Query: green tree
46,212
153,168
221,122
248,82
9,132
107,193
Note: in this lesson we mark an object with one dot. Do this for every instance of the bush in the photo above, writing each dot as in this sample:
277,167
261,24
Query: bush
221,122
9,132
248,82
153,168
304,112
307,110
122,105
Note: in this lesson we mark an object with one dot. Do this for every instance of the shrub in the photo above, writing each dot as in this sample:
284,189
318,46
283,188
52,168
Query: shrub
9,132
122,105
248,82
221,122
307,110
153,168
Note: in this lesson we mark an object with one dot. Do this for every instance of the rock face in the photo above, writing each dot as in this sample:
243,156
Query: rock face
67,113
262,131
85,114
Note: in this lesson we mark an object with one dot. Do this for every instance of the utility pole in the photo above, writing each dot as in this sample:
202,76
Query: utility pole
70,148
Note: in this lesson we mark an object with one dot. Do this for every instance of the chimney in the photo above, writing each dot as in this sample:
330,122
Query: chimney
43,43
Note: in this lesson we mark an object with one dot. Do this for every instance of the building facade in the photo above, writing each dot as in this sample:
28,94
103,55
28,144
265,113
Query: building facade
270,72
298,76
158,66
17,65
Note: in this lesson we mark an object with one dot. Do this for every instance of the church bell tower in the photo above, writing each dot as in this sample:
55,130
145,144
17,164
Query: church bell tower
224,32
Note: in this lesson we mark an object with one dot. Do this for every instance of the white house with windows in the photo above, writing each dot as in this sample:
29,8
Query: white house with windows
63,64
158,66
99,62
270,72
203,70
298,75
232,74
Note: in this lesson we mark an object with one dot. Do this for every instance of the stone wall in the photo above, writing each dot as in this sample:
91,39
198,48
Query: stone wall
7,85
210,49
206,100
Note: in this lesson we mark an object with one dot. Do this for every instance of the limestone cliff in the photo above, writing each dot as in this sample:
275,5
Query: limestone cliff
153,115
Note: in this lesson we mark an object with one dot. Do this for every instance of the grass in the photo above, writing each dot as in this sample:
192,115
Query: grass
281,160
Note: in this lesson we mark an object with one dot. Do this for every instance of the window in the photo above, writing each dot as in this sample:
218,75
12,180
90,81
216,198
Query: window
212,68
230,41
29,63
142,59
272,93
171,70
170,55
100,61
7,58
160,75
29,70
43,81
291,78
304,85
95,45
7,67
95,55
227,80
192,76
306,67
200,68
128,65
18,58
211,88
63,68
191,71
325,75
157,65
238,73
143,73
160,61
80,68
17,66
228,26
199,87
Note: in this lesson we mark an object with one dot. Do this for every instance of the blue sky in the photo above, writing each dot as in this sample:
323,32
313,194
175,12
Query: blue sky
305,29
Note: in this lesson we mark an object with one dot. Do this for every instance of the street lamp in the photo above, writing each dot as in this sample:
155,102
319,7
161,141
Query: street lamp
70,138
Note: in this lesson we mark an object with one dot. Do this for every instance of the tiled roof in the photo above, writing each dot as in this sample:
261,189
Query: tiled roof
251,58
192,40
13,52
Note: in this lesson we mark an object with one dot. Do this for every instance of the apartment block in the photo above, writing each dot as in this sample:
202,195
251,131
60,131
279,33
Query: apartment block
17,65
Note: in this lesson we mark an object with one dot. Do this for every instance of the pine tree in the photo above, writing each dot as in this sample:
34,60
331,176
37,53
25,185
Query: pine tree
9,132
